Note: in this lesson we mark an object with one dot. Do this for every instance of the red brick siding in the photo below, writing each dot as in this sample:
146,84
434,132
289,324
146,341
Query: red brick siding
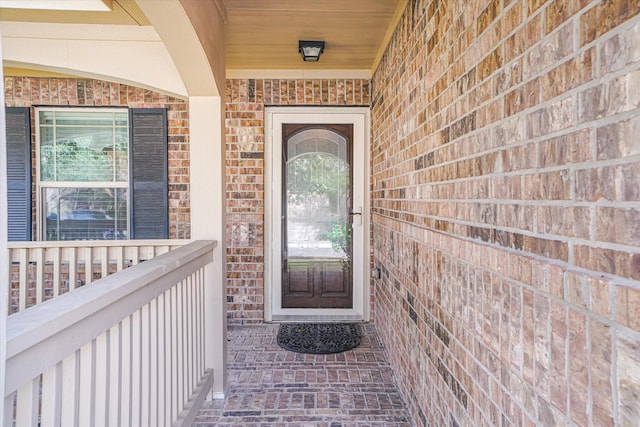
245,101
37,91
506,203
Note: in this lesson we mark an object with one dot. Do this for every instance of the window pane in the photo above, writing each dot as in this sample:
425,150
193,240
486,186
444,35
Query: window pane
47,117
84,154
85,213
84,146
47,154
84,118
121,157
121,119
317,192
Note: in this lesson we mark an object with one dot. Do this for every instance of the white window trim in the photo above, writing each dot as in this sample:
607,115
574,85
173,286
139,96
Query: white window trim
39,186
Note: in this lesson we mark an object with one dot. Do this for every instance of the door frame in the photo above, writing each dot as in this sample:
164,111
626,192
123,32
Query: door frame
274,118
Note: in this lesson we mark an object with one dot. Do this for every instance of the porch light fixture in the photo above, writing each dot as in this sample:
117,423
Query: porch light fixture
310,50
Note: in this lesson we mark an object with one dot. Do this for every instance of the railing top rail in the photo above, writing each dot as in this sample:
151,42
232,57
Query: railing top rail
97,243
40,336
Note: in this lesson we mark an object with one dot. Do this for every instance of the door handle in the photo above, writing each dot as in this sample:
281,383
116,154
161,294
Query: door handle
353,213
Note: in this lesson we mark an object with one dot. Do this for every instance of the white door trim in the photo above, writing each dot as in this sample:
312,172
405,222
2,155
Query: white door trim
274,118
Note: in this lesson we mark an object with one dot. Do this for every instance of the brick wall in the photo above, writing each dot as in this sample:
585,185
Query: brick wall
245,103
36,91
506,211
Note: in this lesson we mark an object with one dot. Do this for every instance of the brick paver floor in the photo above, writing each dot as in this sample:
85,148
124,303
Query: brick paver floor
269,386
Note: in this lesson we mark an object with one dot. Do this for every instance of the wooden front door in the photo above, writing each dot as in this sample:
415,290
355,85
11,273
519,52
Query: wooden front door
316,216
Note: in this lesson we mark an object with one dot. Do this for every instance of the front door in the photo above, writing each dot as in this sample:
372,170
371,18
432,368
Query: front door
316,221
317,245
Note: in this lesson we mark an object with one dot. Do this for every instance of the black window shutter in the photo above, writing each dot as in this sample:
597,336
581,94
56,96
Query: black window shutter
18,173
148,174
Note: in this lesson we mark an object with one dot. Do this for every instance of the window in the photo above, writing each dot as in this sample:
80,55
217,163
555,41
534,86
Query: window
102,173
83,182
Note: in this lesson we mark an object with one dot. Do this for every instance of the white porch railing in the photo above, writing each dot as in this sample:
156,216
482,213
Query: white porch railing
129,351
43,270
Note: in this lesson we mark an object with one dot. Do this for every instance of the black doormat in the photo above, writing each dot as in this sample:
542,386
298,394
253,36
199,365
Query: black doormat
318,338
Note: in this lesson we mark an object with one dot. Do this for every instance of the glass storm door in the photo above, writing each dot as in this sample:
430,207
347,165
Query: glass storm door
316,216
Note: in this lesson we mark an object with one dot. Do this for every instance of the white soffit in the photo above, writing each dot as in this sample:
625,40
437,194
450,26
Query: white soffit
79,31
78,5
130,54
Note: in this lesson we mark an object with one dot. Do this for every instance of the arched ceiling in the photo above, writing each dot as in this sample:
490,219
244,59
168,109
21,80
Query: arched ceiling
147,43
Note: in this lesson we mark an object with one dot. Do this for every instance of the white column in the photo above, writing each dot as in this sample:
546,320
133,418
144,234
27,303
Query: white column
4,256
207,156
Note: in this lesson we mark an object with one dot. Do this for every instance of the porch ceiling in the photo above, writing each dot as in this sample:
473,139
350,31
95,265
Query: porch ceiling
264,34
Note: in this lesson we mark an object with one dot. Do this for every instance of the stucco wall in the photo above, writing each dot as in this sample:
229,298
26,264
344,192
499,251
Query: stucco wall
506,205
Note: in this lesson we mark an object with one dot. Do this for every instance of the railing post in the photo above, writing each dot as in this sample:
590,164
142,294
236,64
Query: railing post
207,153
216,327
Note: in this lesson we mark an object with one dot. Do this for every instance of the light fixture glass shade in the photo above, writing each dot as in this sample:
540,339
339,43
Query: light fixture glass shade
310,50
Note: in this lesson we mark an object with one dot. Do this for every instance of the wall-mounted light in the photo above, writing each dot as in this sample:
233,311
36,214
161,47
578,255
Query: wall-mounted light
310,50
